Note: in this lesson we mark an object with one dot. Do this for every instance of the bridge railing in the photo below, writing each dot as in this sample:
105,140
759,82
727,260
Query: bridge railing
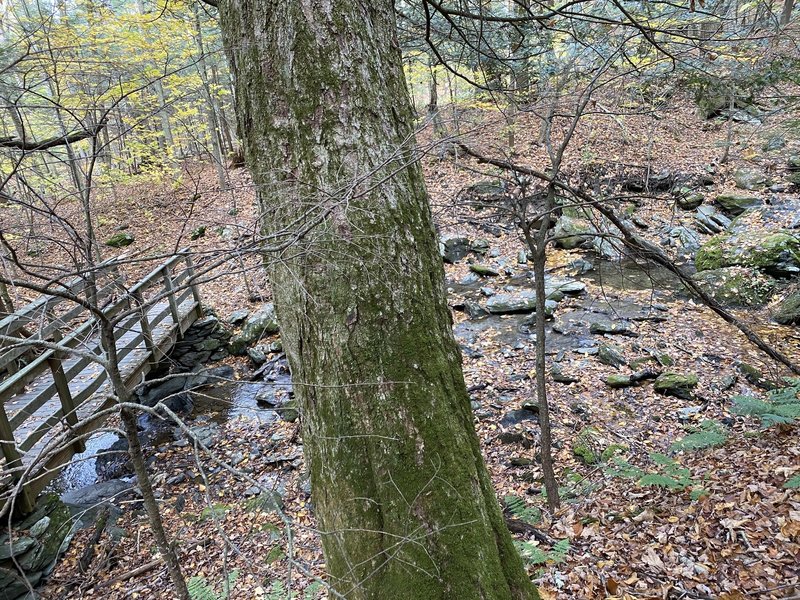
167,291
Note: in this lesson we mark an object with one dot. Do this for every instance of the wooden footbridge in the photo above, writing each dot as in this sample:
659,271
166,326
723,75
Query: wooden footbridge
56,391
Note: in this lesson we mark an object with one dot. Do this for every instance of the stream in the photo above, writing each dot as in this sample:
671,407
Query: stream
569,331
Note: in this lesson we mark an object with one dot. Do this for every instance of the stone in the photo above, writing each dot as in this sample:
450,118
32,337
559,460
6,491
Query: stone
289,411
736,286
736,204
558,374
611,355
589,445
258,354
522,257
690,201
515,417
120,240
607,326
475,310
238,316
197,233
619,381
676,384
480,246
484,270
773,143
793,162
683,238
571,232
709,220
453,248
788,310
16,548
40,527
97,493
522,301
775,252
488,291
750,179
262,322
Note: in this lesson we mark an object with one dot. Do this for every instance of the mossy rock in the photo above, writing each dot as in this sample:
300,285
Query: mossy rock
750,179
788,311
484,270
572,232
120,240
611,355
737,286
592,447
619,381
774,252
679,385
736,204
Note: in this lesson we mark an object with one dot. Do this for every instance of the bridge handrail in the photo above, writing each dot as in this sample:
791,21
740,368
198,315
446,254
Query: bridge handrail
52,358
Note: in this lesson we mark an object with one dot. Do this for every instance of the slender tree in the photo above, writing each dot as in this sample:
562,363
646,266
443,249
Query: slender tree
405,505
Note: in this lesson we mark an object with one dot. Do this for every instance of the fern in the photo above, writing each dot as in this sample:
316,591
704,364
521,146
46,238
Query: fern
199,589
519,510
782,405
277,591
668,474
794,482
708,435
534,555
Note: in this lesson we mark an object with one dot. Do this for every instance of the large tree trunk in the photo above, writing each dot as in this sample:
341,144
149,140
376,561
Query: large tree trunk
404,502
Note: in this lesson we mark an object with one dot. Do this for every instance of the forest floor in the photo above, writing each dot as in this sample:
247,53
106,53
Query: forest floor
720,525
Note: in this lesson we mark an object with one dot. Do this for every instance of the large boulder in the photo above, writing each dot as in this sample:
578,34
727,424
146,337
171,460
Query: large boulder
774,252
260,323
737,286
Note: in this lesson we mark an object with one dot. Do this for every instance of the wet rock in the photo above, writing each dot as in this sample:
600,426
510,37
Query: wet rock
679,385
97,493
737,286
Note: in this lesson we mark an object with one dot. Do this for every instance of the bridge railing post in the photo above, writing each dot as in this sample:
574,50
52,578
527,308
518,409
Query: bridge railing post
193,284
147,331
169,286
55,361
25,501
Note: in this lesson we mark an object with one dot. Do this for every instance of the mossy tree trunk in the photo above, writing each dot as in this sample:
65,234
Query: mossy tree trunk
401,493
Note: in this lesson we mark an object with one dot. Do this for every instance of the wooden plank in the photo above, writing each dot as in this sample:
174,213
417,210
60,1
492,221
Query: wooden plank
64,394
173,305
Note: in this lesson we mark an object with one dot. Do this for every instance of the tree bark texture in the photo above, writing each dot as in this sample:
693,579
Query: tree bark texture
403,499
